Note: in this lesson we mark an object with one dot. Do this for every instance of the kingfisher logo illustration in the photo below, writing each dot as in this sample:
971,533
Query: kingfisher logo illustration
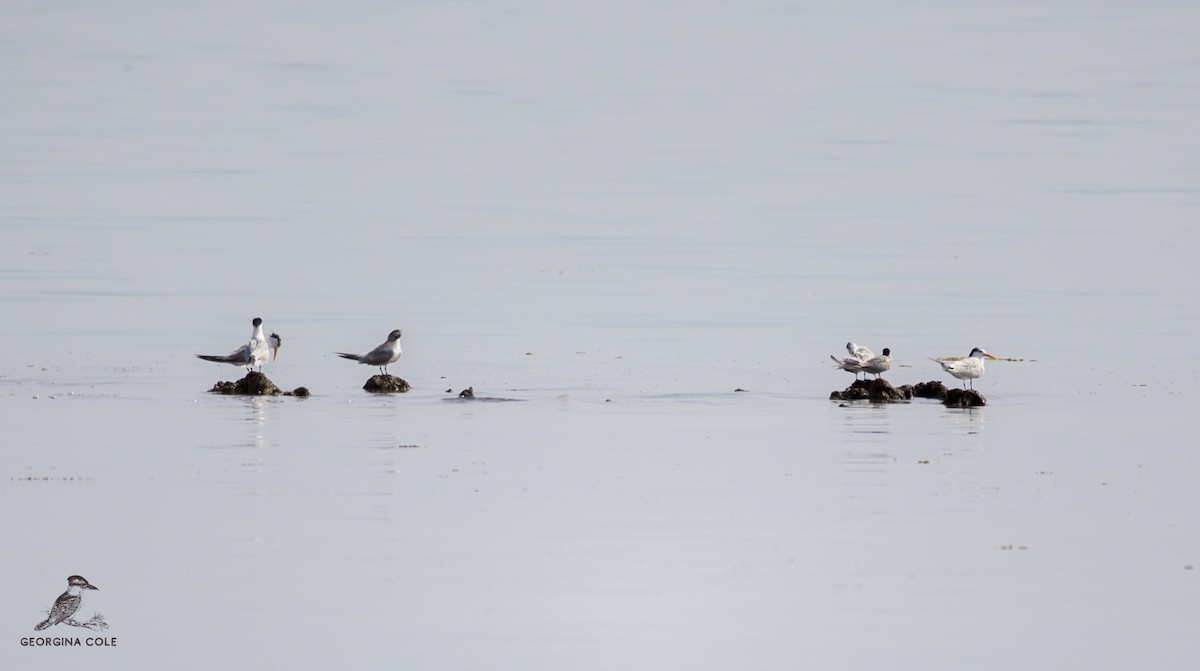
67,605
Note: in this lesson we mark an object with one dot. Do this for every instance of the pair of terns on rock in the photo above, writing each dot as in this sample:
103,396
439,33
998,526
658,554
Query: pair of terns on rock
255,353
863,360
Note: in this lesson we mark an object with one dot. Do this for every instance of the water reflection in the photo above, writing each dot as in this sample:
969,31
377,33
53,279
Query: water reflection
967,421
258,419
864,418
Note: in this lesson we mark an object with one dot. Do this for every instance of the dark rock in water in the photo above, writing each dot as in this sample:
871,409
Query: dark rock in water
964,398
468,394
879,391
254,384
386,384
302,392
875,391
951,396
933,389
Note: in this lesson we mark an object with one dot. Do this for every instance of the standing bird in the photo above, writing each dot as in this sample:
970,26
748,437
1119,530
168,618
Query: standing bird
878,364
849,364
253,353
66,605
386,353
968,369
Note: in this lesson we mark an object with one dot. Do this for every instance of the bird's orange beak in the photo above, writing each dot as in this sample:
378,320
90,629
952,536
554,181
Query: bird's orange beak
274,353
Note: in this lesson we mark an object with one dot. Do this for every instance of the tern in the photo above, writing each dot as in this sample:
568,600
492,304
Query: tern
854,362
67,603
253,353
968,369
849,364
859,352
387,353
878,364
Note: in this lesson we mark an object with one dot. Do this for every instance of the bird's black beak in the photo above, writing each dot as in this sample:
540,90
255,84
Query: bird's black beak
91,586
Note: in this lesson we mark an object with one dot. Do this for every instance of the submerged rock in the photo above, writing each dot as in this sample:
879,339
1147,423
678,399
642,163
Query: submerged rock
875,391
950,396
255,384
468,394
964,398
933,389
386,384
879,391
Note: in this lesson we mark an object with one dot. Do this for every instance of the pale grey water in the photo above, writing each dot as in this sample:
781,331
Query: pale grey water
617,213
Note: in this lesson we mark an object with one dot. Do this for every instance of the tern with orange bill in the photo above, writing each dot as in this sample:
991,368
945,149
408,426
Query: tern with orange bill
969,369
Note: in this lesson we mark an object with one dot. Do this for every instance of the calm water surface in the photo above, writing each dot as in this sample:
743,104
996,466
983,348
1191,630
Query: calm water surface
615,215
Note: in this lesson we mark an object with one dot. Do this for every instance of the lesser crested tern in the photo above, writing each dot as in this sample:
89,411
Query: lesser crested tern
383,355
969,369
252,354
854,362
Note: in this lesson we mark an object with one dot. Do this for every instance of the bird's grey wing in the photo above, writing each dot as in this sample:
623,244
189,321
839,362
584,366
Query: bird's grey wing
240,355
848,363
346,355
379,355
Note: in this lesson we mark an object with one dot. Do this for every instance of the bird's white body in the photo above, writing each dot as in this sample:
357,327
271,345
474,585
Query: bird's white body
848,364
859,352
385,354
968,369
258,351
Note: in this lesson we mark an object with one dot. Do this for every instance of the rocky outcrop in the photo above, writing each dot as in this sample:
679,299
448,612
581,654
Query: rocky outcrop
875,391
386,384
880,391
255,384
964,398
952,397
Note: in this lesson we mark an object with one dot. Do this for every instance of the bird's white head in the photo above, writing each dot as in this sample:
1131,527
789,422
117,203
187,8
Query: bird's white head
980,353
